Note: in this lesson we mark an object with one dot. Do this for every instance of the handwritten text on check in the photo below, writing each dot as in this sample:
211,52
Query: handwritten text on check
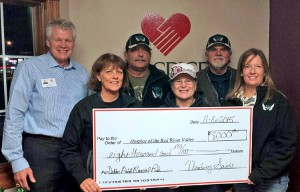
138,148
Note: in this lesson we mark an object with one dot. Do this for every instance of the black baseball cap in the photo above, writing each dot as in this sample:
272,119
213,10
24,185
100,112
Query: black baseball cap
218,39
137,39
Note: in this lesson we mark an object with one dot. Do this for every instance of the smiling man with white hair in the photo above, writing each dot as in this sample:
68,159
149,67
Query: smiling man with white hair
43,92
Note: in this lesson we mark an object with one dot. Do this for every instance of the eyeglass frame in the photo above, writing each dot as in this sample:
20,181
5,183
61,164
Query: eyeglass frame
186,81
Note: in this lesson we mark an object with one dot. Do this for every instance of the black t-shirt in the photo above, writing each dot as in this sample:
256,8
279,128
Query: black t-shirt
220,83
115,104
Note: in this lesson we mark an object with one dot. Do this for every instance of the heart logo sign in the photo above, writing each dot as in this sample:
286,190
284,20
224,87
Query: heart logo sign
165,35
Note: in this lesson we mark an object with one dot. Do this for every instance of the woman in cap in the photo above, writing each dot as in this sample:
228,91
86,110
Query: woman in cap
184,94
183,85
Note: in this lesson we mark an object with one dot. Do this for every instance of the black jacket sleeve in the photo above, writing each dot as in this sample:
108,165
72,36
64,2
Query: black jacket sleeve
71,147
281,147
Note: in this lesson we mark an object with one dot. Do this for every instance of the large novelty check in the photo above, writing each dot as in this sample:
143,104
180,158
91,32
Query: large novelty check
141,148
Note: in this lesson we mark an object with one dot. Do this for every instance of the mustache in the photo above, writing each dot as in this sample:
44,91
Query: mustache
218,57
140,59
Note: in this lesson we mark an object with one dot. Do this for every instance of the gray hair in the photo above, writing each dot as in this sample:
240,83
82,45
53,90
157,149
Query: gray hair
60,23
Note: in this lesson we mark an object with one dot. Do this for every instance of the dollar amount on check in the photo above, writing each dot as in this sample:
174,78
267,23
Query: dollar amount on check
165,147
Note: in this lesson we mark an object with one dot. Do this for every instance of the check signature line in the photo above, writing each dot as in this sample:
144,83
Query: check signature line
213,169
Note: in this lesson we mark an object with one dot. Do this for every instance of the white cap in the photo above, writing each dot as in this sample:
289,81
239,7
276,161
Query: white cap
182,68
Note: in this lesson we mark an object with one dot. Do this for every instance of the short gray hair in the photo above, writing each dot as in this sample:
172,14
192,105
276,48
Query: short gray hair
60,23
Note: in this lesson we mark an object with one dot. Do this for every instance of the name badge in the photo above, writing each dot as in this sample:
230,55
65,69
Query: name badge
50,82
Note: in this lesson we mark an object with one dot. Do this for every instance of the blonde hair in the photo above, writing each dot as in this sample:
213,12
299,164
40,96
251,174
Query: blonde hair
239,81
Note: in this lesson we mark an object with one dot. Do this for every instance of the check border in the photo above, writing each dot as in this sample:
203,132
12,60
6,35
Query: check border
111,116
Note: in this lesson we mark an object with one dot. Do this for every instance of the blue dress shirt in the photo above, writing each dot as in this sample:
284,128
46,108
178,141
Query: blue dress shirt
42,95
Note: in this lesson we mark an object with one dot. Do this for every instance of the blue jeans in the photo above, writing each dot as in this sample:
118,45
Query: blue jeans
278,184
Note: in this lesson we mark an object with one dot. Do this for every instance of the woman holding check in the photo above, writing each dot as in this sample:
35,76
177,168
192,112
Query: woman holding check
274,127
183,85
183,94
108,79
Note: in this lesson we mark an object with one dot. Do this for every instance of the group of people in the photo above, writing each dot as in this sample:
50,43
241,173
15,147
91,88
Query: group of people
48,131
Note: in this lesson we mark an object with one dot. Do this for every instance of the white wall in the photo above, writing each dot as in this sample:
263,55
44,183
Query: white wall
105,25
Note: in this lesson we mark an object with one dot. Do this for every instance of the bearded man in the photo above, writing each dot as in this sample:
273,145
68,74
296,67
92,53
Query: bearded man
215,81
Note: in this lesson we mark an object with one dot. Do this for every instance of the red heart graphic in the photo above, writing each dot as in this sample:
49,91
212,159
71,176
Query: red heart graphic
165,35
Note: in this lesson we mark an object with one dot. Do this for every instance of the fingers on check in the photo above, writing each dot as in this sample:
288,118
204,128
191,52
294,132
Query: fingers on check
98,189
90,186
87,186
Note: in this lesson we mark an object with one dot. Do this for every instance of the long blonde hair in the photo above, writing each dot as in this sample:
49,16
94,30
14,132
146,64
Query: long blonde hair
239,81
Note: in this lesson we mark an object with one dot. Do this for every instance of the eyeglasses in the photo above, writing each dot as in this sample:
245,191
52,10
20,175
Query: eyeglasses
186,81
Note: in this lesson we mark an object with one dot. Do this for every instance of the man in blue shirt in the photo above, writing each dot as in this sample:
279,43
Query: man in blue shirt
43,92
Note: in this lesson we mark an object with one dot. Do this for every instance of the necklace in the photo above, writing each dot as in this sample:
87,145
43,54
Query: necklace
192,102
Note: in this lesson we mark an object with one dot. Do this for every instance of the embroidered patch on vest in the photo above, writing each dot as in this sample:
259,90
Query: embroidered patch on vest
268,107
157,92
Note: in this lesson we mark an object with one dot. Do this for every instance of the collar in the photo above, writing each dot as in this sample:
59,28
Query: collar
218,78
126,100
53,63
247,101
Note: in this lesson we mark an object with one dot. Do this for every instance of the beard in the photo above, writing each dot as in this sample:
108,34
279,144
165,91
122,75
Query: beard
219,64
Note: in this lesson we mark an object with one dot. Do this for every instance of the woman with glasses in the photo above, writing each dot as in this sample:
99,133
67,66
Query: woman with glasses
183,94
183,85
